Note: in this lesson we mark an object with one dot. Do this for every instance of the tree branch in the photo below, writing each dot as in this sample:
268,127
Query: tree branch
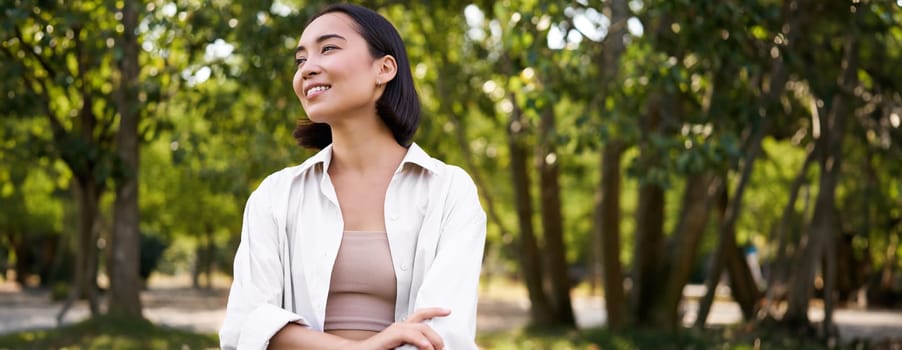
30,49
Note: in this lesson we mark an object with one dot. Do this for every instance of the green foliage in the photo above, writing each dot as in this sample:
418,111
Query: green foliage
767,196
109,333
218,108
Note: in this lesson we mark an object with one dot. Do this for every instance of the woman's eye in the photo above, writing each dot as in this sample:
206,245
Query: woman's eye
329,48
299,61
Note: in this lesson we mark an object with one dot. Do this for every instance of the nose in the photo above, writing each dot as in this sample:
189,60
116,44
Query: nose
309,69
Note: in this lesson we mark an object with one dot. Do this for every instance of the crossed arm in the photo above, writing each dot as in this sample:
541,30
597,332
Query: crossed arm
411,331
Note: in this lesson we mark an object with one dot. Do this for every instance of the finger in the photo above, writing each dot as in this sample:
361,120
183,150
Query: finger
427,313
424,345
402,333
434,338
415,336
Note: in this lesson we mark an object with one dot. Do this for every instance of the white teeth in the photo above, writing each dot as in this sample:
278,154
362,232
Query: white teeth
316,89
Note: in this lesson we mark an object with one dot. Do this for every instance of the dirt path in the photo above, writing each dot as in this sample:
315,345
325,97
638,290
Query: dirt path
499,309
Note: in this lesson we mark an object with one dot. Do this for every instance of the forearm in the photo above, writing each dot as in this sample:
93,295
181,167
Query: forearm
294,336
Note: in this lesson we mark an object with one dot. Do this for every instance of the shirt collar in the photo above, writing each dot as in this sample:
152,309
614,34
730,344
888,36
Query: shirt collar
415,155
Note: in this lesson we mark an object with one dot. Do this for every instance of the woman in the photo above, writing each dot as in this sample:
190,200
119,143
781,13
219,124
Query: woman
370,243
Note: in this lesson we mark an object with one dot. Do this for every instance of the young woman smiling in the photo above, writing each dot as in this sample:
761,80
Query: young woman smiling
371,243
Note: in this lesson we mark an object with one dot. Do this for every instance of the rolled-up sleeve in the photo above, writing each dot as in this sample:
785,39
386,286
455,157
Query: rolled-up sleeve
254,312
452,280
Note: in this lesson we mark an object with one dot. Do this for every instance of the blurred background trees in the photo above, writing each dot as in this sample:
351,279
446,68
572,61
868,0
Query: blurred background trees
628,146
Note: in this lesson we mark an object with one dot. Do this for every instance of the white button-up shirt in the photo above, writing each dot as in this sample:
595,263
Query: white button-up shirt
293,227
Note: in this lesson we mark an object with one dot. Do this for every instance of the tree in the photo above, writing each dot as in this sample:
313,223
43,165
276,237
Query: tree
124,280
607,212
694,127
60,65
822,232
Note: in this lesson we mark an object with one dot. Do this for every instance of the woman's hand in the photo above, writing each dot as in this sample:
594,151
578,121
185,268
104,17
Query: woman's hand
410,331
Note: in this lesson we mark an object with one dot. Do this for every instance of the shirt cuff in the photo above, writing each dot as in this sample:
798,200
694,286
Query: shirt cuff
263,323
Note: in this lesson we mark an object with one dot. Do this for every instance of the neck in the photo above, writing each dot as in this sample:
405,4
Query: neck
366,147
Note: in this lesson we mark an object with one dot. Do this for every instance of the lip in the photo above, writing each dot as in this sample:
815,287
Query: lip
315,92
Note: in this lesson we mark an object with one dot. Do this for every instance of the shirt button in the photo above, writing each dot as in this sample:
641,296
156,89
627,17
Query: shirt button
394,217
404,267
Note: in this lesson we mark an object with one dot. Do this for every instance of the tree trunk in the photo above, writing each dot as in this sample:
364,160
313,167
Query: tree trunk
88,190
794,19
203,262
607,218
824,223
811,251
700,193
530,260
607,209
85,270
210,251
696,207
727,233
20,248
716,262
125,282
648,254
887,272
553,221
776,280
196,266
743,288
649,247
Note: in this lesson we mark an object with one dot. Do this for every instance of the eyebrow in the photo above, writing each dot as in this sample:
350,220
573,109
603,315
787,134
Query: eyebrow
320,39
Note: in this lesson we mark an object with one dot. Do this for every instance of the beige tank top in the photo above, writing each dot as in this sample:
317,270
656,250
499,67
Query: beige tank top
363,287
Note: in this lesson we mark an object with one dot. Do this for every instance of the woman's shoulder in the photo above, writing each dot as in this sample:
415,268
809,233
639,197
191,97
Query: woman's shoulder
436,166
457,176
268,186
276,177
277,182
287,174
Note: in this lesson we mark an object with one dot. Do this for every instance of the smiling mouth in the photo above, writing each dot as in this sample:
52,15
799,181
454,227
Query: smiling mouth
317,89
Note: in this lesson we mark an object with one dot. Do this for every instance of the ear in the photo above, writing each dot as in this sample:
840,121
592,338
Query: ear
386,69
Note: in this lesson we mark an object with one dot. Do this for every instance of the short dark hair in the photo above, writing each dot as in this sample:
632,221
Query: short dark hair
399,105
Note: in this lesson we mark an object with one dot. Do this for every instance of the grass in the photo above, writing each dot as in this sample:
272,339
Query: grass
107,332
604,339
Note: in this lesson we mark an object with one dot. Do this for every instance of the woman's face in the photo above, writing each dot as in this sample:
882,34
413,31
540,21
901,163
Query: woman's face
336,74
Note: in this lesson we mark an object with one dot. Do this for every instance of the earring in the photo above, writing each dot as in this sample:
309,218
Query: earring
378,83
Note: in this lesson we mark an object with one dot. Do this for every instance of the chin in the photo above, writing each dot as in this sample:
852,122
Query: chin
317,116
314,118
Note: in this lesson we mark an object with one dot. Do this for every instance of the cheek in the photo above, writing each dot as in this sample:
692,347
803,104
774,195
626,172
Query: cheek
297,83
